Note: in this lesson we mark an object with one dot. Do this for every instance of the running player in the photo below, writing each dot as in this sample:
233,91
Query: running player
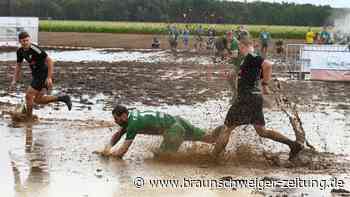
248,106
41,66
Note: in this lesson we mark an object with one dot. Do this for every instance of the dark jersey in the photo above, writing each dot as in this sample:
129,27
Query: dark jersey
36,58
250,74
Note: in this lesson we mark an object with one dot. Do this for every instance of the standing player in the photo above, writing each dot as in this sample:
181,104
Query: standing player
41,66
265,38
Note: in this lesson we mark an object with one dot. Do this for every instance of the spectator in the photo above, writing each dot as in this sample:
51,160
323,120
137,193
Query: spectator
317,38
229,37
257,48
173,36
234,47
221,46
243,32
186,37
325,36
331,35
211,38
310,36
156,43
199,38
265,38
279,47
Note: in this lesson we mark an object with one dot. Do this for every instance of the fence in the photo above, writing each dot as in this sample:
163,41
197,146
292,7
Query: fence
302,59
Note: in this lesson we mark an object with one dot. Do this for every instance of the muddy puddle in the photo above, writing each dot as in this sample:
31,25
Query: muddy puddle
118,55
54,157
46,158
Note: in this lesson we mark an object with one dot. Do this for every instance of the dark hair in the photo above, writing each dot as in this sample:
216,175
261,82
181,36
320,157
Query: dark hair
245,40
23,35
119,110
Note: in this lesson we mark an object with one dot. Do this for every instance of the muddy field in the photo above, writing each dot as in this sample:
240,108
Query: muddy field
54,157
109,40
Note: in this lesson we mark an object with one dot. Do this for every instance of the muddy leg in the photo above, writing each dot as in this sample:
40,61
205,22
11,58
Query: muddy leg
295,147
222,140
213,135
41,99
172,139
31,93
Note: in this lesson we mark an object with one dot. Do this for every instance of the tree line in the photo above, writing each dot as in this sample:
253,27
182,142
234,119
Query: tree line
193,11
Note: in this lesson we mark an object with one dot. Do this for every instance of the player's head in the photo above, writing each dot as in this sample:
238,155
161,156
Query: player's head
24,39
246,45
120,114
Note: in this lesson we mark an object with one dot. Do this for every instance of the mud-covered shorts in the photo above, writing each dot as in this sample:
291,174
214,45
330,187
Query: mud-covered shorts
39,82
180,131
39,78
246,109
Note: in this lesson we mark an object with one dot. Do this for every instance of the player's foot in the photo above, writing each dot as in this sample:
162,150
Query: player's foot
66,99
294,150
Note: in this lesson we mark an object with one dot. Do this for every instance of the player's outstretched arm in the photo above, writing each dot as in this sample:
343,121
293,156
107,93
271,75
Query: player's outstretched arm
16,75
106,151
50,63
120,152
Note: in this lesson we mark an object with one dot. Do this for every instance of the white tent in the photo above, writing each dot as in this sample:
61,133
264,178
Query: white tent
10,27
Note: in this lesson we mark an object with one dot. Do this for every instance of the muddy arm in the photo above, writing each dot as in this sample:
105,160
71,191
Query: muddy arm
120,152
114,140
267,76
17,74
49,63
116,137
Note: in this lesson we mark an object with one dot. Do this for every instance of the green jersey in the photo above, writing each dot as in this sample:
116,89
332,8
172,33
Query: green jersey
147,122
325,36
234,44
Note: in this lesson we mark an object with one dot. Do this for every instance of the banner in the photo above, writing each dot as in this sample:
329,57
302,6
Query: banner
326,62
10,27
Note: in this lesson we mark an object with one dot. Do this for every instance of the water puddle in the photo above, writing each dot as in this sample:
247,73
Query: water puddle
105,55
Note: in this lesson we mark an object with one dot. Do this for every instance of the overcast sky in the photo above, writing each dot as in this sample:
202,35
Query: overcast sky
332,3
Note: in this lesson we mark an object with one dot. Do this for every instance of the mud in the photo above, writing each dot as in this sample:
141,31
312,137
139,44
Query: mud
53,157
109,40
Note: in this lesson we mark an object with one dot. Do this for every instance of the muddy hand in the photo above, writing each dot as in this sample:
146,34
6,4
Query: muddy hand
104,152
49,83
116,155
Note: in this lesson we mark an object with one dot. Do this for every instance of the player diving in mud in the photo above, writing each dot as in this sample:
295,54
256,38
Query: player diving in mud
174,129
41,66
254,74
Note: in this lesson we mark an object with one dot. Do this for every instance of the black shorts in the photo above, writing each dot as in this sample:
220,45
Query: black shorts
39,77
39,82
247,109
